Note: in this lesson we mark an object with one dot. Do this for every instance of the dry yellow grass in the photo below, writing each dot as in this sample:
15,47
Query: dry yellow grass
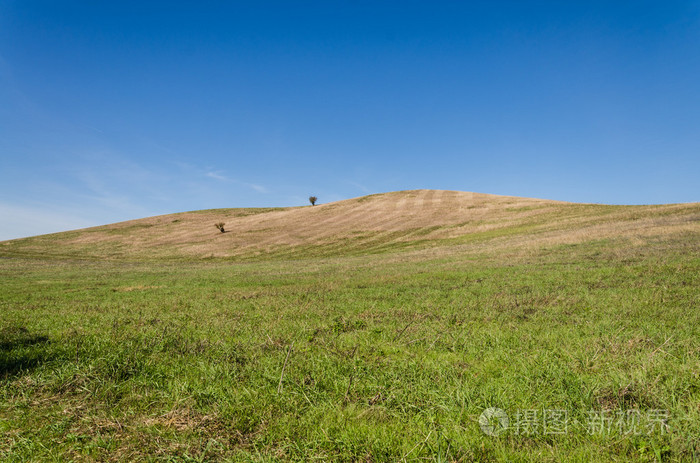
428,218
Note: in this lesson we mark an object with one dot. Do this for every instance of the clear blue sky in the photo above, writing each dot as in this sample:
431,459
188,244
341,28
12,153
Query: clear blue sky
118,110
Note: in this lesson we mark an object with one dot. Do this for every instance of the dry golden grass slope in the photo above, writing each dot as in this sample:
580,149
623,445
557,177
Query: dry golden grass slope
417,219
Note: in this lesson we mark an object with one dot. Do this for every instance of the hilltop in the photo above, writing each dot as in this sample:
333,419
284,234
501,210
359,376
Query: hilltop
415,219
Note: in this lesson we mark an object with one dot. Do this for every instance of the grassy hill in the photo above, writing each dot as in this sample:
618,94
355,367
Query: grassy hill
374,329
370,224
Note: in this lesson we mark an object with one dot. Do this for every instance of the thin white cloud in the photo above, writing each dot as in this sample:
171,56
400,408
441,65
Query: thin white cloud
218,176
258,188
117,183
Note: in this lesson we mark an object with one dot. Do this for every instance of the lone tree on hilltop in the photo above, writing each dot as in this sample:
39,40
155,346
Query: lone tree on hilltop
220,226
312,200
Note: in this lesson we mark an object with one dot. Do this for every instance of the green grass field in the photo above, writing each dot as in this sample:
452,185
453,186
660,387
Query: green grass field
592,349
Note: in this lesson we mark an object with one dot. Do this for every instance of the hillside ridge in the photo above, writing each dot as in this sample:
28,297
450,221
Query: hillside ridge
375,223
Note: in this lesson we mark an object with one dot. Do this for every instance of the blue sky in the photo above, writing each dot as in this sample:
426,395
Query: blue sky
118,110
